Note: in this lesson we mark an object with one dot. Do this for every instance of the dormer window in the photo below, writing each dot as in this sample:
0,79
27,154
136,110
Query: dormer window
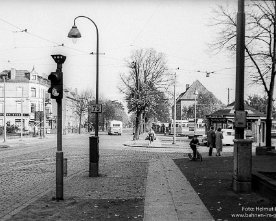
33,77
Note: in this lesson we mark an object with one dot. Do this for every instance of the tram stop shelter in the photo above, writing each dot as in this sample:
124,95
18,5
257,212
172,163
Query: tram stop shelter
224,118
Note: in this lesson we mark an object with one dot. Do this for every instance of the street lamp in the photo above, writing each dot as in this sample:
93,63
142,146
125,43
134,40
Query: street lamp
4,75
74,33
195,93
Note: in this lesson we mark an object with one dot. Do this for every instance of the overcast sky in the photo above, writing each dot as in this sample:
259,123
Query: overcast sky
179,29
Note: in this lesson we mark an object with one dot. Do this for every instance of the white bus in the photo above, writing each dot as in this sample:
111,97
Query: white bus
115,127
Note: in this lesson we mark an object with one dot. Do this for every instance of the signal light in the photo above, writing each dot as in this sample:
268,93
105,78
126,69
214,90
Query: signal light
56,89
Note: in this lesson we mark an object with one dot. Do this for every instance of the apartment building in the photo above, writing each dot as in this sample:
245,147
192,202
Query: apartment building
25,98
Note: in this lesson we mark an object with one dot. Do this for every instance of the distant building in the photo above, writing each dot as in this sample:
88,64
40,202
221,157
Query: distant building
70,118
24,95
27,99
188,98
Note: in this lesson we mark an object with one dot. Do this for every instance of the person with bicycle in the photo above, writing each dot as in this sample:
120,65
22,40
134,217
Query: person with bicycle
193,144
151,135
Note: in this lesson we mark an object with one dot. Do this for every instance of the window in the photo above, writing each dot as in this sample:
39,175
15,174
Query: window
33,92
1,92
32,107
249,125
19,92
18,106
33,77
1,107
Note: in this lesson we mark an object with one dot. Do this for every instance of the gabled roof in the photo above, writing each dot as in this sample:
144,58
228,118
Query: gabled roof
189,94
20,76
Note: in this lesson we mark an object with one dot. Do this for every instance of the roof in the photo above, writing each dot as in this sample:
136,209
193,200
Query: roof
229,111
189,94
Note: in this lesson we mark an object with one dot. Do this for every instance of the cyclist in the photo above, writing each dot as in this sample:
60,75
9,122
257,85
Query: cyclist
193,144
151,136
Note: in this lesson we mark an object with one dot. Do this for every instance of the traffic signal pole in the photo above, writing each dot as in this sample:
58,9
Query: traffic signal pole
59,153
56,91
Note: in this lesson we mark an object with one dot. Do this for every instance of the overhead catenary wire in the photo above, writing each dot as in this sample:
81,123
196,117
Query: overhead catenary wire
56,44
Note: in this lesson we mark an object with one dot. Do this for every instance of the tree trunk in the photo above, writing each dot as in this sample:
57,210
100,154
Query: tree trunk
269,114
137,126
80,126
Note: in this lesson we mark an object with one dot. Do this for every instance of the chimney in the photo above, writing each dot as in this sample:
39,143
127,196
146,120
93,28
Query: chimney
27,75
187,86
13,73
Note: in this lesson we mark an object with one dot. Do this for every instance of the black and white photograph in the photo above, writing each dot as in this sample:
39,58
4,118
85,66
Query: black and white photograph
150,110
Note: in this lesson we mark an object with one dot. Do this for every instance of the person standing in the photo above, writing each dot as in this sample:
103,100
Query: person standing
211,140
151,135
219,138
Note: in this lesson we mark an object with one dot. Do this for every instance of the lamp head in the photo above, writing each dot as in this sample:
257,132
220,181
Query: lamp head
74,33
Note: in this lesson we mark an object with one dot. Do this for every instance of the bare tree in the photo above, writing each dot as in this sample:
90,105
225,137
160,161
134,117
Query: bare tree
81,105
259,46
148,75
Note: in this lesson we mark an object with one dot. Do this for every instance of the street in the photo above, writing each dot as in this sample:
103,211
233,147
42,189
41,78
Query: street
27,168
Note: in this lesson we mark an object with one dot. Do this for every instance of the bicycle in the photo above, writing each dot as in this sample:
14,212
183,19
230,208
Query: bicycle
198,156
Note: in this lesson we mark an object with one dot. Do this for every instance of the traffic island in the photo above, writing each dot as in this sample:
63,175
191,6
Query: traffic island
264,183
264,150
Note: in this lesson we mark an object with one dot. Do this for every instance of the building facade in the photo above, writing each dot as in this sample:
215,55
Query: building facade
25,99
189,98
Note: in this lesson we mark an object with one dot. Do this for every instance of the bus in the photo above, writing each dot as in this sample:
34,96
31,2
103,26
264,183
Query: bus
115,127
187,127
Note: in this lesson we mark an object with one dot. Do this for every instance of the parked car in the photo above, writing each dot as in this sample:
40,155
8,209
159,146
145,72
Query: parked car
228,136
203,140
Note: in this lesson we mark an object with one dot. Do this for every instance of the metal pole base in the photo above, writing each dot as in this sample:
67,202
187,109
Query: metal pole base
93,169
93,156
242,187
59,175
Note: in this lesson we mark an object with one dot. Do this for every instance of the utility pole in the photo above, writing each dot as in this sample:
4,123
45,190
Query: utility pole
228,96
242,147
174,110
239,95
21,131
195,125
44,115
5,124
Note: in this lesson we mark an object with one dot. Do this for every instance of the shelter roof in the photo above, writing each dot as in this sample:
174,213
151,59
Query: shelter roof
229,111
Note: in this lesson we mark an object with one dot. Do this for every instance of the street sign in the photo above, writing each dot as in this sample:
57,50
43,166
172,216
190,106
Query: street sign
96,108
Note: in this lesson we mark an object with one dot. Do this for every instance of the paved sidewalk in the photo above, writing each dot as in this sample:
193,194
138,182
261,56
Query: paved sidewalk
169,196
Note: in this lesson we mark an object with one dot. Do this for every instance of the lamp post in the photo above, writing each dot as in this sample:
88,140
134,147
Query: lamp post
174,110
196,93
74,33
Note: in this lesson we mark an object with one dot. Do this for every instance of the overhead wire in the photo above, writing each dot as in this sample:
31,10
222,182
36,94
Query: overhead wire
56,44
